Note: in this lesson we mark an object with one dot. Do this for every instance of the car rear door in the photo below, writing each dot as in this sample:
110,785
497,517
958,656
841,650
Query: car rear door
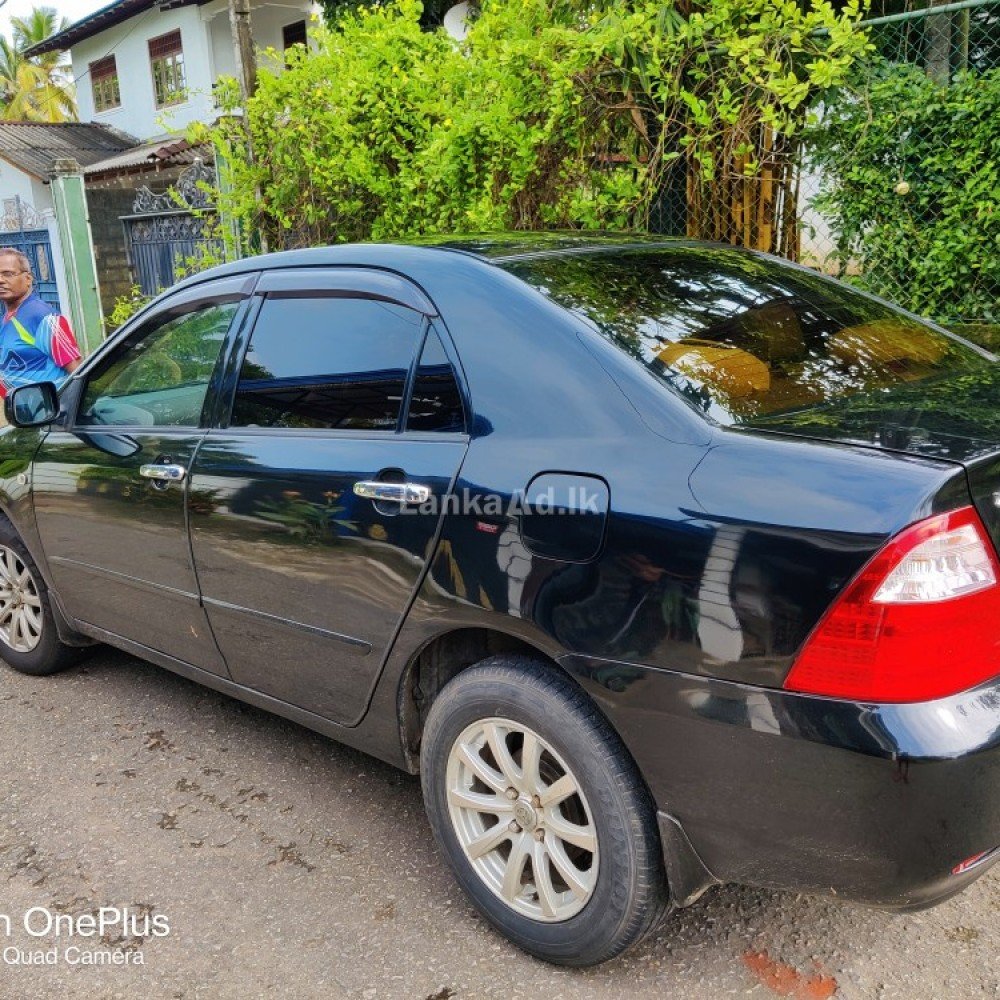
304,575
109,488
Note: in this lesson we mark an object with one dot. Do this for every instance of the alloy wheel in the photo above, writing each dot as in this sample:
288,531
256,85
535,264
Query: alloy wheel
522,819
20,604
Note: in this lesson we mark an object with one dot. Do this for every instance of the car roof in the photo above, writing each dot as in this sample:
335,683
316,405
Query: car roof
512,246
494,248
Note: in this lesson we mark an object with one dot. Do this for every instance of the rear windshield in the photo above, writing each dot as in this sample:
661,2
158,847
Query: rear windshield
742,337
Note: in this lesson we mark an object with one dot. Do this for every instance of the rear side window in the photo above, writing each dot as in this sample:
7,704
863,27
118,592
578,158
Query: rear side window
435,404
326,363
741,337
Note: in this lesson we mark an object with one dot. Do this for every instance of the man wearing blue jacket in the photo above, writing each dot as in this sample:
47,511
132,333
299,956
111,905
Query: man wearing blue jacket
36,343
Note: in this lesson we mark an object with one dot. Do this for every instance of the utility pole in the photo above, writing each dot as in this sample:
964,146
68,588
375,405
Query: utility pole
246,57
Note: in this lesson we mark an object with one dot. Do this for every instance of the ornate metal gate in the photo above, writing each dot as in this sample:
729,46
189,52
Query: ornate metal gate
166,229
22,229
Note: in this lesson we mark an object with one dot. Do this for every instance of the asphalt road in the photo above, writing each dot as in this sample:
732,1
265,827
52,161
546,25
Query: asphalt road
287,866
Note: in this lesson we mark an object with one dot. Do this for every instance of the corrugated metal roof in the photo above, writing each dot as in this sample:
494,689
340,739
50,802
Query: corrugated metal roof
159,152
33,146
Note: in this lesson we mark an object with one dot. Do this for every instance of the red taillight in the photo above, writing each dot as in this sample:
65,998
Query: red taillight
920,621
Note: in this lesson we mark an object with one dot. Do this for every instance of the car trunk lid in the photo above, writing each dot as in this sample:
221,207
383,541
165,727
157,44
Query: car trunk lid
954,419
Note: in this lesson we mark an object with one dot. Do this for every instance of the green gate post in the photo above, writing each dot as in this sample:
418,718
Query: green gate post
69,199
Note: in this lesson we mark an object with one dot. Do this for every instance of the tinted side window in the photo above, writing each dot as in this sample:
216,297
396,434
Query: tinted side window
159,377
326,363
436,404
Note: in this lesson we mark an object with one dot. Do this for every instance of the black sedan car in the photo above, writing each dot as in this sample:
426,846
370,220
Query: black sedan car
663,564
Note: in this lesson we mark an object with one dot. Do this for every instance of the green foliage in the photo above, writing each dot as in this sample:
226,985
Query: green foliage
984,334
305,520
432,16
912,187
181,352
565,114
40,88
208,253
962,405
125,307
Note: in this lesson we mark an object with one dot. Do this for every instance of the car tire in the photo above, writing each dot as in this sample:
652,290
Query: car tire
571,868
29,641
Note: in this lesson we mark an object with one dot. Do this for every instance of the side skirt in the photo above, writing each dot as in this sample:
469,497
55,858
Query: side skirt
357,737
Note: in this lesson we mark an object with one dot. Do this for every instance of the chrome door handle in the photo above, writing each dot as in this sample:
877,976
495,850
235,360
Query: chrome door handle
397,492
163,473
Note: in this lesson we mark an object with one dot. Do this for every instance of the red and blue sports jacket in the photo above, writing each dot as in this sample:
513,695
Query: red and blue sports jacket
36,344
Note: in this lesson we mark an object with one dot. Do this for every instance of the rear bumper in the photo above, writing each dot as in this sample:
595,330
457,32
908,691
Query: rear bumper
873,803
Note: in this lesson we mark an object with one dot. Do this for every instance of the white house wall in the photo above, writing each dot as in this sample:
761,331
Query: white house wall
14,182
266,22
129,42
206,38
41,196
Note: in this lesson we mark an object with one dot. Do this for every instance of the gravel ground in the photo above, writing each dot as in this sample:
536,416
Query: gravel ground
288,866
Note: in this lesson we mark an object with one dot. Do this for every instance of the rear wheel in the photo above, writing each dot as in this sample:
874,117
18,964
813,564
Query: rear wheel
541,813
29,641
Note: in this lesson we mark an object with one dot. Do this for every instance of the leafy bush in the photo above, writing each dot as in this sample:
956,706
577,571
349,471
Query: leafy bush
125,307
432,16
912,189
550,114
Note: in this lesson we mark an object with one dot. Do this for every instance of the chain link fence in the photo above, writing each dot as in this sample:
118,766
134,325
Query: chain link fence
896,184
942,38
899,179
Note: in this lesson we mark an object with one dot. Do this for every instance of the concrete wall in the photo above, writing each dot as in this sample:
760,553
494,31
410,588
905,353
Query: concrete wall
106,208
15,182
58,262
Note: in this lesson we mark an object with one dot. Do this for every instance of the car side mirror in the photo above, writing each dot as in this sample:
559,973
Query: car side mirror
32,405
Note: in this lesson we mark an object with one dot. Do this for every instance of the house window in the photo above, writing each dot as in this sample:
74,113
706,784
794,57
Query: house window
104,84
166,59
293,34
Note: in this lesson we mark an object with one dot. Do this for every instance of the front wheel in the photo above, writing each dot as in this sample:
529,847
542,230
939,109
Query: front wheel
541,813
29,641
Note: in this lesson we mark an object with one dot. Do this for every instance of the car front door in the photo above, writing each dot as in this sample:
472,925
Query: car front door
305,576
109,488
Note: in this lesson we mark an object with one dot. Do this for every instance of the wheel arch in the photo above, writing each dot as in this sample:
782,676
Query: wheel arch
67,633
444,656
439,660
630,889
